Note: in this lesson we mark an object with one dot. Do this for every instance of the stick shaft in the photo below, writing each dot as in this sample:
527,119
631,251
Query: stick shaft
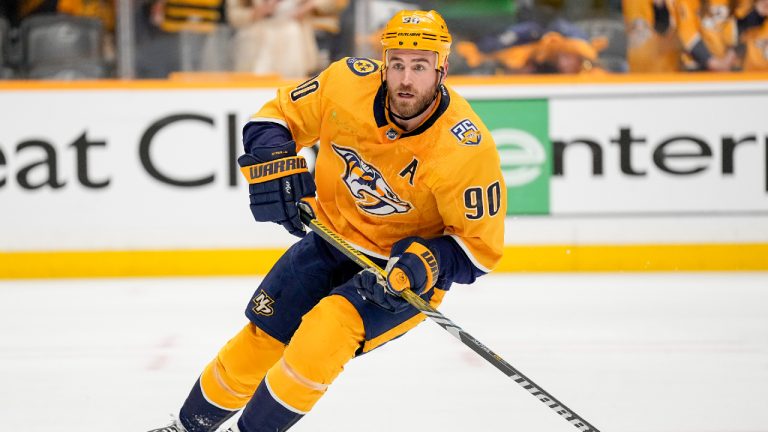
363,261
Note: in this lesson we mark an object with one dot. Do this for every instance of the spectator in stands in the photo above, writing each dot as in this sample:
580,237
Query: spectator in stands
566,53
653,45
176,35
528,47
508,51
708,33
753,32
268,29
199,16
326,22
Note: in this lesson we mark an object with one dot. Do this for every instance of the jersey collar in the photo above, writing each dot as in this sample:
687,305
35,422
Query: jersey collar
380,113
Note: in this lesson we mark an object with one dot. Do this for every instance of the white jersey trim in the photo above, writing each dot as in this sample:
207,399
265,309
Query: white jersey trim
367,252
205,396
278,400
471,257
269,120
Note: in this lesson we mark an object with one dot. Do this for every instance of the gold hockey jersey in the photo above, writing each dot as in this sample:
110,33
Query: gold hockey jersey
709,21
376,183
755,40
647,50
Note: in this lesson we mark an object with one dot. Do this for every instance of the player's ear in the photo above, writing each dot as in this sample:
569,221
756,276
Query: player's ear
445,72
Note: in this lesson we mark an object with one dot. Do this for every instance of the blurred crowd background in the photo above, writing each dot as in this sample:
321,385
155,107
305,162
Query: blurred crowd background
92,39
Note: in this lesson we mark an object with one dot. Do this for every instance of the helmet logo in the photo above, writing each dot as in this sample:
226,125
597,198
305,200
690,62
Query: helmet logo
411,20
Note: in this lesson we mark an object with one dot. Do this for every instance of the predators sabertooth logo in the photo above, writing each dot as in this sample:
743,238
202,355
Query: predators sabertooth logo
263,304
372,193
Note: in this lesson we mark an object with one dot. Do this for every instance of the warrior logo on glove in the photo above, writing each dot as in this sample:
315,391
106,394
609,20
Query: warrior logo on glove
274,169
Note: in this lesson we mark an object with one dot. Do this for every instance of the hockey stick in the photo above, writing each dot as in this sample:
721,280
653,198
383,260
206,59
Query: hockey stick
308,218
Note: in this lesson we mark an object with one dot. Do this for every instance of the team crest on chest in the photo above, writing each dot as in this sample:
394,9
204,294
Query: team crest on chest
365,182
466,132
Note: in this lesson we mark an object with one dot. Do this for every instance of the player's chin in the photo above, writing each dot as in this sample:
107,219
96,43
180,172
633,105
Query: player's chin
405,109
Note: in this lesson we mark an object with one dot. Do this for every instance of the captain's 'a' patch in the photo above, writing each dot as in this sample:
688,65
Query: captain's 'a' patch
362,66
466,132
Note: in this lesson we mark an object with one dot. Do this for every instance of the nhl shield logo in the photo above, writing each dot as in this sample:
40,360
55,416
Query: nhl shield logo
372,193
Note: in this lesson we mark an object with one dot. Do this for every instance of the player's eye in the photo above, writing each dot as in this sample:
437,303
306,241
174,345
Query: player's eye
397,66
419,67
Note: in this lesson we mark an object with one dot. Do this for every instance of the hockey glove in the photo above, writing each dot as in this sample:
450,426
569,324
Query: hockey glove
412,264
372,287
277,180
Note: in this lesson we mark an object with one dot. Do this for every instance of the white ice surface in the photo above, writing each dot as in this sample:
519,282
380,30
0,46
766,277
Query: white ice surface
629,352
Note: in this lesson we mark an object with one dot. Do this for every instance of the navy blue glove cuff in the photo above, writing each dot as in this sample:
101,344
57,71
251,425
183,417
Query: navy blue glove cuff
266,153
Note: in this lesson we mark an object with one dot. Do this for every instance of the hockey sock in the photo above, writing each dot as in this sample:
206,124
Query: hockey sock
265,413
199,415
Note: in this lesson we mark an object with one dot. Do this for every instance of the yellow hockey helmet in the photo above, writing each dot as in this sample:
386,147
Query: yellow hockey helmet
417,30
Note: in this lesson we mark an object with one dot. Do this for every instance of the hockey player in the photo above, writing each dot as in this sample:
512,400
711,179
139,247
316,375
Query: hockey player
406,172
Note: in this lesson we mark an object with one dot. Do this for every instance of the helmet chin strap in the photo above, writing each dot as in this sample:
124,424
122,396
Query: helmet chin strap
426,107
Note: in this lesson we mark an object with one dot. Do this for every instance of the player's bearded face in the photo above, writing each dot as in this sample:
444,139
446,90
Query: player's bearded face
407,101
411,81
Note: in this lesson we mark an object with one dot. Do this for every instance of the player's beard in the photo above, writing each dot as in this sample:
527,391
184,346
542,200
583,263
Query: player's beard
409,107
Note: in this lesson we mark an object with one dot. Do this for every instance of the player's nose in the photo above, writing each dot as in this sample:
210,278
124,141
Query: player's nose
407,78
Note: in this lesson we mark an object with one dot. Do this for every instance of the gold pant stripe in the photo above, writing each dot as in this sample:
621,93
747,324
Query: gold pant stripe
223,384
300,379
328,337
231,378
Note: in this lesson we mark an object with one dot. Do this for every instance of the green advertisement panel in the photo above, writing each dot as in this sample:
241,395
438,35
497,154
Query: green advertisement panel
521,131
